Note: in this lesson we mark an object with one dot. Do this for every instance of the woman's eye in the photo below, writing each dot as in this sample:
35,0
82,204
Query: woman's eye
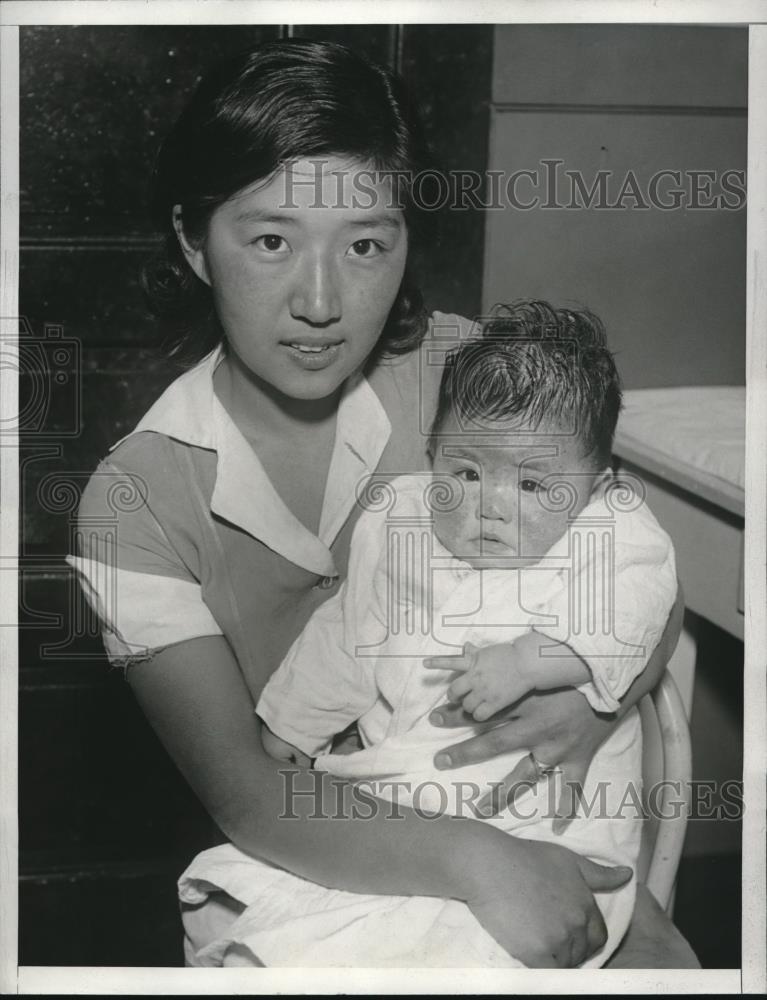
271,242
529,486
470,475
366,248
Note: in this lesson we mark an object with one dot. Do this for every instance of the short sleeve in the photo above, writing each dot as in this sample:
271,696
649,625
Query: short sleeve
144,595
615,599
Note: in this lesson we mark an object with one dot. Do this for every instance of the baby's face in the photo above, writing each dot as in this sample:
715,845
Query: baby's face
516,491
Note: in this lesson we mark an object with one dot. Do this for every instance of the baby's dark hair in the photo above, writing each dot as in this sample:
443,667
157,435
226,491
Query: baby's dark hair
544,365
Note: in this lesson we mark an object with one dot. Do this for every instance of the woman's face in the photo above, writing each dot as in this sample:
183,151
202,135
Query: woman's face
304,269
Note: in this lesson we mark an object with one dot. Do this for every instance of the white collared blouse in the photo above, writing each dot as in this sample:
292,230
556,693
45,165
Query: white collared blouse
182,534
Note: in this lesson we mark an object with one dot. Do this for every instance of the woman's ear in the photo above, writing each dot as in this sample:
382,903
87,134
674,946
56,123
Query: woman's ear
195,256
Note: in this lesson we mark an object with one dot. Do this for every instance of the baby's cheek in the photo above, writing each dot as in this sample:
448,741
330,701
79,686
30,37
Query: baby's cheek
448,529
541,530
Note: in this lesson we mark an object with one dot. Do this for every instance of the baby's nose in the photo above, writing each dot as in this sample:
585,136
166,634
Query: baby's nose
497,504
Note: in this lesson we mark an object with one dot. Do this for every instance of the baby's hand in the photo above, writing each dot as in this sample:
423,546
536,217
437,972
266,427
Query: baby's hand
491,678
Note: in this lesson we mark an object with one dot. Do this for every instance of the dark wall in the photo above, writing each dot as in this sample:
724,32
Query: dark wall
106,823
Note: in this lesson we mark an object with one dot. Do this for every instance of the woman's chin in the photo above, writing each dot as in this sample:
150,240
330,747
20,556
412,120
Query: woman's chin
306,384
317,388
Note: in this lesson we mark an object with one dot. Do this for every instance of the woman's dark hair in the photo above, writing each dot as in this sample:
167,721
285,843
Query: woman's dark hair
284,100
539,363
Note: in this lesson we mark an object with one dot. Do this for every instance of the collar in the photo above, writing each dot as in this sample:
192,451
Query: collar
189,411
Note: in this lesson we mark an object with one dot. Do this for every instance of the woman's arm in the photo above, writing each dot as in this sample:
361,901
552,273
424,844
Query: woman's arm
533,898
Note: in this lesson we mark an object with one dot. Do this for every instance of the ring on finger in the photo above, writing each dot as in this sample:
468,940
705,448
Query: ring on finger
542,770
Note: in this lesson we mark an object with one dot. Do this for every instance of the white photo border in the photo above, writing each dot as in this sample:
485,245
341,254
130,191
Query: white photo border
752,978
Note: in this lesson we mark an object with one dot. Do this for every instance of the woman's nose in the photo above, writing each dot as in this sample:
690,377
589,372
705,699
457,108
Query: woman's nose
316,296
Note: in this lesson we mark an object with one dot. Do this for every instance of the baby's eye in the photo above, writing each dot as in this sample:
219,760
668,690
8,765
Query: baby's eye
470,475
530,486
366,248
271,242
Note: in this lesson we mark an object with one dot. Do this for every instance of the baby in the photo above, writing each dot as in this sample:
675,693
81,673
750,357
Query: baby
518,564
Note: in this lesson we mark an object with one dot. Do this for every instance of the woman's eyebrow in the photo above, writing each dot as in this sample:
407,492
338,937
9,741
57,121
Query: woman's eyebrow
287,218
264,215
377,222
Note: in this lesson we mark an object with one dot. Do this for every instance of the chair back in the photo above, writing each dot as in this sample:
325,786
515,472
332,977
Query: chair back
666,774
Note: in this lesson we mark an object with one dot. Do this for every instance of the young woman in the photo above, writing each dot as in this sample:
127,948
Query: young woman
285,191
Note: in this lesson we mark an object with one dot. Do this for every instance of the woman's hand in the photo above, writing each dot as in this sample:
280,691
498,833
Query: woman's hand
558,727
540,908
561,728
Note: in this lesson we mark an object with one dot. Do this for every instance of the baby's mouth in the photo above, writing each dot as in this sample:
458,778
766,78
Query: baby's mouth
493,542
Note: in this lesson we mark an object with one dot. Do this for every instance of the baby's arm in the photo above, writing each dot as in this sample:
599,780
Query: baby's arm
322,686
318,689
615,599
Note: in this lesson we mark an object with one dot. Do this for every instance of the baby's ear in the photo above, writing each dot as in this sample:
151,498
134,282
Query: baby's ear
601,481
605,477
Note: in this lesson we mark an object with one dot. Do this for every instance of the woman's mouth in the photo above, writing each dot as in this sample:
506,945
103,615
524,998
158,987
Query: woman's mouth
313,355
